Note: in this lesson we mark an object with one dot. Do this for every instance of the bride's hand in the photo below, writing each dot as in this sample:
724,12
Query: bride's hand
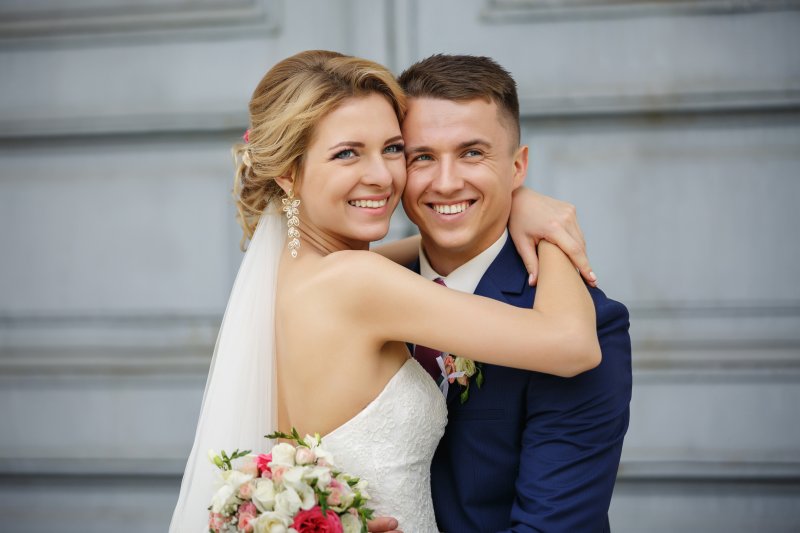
536,217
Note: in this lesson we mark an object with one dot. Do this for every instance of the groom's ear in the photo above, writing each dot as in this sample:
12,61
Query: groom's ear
520,166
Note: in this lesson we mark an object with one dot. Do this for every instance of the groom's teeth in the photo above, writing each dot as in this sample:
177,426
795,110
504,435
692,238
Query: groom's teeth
450,209
371,204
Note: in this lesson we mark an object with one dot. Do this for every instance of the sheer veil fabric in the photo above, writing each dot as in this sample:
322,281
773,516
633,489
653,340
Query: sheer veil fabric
240,401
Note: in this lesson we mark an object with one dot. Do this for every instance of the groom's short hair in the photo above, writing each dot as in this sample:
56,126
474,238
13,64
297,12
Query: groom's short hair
461,78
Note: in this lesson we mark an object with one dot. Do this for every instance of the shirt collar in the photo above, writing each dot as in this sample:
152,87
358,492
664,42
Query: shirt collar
466,277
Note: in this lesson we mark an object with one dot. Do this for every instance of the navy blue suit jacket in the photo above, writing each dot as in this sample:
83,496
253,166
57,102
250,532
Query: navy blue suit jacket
531,451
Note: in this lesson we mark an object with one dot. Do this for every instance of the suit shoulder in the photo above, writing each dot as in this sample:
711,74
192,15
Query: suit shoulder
608,311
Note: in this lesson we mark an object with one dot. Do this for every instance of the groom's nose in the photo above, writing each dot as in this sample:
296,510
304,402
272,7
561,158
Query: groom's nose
447,180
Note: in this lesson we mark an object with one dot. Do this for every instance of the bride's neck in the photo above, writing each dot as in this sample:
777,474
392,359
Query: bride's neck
325,243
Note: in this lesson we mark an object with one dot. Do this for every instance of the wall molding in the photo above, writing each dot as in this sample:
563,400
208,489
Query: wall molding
629,470
532,11
532,107
683,342
734,100
56,21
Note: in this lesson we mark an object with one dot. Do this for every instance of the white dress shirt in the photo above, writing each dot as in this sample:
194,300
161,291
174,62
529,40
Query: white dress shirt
466,277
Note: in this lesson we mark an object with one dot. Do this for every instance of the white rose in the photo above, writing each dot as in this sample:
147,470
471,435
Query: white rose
287,502
323,455
264,495
220,499
361,488
229,482
313,441
350,524
294,475
307,497
466,366
322,474
282,455
271,523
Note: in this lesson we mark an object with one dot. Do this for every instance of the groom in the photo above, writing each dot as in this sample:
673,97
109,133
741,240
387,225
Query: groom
525,451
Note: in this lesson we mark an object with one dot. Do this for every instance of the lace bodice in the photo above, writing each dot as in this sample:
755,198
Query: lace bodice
391,442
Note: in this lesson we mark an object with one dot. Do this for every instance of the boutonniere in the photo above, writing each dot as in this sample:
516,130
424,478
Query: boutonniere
461,370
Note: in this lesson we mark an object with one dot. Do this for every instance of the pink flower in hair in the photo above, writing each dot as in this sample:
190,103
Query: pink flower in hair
246,136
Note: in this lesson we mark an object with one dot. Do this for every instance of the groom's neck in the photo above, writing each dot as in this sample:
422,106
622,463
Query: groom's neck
444,260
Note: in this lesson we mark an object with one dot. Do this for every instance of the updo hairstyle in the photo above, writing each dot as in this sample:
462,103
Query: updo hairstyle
287,104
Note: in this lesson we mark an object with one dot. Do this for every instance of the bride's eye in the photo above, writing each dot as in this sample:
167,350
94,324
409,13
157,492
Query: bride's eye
394,149
344,154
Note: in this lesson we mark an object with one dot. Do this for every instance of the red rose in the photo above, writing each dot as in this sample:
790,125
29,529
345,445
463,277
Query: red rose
262,462
314,521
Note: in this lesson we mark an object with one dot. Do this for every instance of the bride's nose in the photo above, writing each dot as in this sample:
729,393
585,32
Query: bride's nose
377,173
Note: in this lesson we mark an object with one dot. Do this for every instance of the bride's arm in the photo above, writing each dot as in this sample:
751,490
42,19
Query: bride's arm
558,336
401,251
536,217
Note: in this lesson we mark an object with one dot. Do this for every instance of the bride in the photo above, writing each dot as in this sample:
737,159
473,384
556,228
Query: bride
315,332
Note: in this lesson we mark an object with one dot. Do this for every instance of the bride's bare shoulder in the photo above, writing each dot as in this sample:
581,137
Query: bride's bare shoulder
353,269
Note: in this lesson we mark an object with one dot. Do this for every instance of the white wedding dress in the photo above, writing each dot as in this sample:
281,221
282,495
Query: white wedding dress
391,443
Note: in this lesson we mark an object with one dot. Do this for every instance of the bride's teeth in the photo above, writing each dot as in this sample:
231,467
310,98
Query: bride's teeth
371,204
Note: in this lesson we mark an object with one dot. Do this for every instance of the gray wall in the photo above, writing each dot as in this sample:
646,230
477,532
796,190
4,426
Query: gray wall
673,126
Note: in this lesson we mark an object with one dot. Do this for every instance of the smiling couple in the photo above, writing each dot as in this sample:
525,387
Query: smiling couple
537,381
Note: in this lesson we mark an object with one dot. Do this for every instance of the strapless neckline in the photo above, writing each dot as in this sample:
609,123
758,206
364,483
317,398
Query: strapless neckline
390,444
371,405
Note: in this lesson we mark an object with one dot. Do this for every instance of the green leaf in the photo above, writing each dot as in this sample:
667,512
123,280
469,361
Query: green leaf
323,500
479,378
464,394
278,435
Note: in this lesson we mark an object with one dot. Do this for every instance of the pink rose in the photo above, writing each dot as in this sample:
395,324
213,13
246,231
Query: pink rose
304,456
335,496
249,466
215,522
314,520
246,491
262,463
247,513
449,366
277,473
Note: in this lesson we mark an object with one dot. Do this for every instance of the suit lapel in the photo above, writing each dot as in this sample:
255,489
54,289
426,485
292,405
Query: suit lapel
505,280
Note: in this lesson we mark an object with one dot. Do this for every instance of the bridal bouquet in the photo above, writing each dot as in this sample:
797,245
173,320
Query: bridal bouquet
293,489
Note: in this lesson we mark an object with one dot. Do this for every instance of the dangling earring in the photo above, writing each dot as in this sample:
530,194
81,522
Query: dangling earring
291,207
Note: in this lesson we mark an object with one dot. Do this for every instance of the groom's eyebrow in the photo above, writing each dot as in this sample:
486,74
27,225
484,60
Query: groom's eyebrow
474,142
418,149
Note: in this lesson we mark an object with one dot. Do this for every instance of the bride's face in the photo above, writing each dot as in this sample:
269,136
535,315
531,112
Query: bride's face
354,172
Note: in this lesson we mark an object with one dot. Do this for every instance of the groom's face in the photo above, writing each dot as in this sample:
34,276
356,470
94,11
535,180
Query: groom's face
463,164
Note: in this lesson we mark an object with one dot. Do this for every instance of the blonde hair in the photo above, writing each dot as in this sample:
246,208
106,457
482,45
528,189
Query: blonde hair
286,106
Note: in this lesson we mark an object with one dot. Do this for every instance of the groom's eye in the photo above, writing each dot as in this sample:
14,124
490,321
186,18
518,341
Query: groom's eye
422,157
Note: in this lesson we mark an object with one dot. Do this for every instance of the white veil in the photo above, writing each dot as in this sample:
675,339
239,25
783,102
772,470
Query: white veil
240,402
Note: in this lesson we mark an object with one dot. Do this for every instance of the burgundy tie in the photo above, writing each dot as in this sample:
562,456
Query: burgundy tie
427,356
